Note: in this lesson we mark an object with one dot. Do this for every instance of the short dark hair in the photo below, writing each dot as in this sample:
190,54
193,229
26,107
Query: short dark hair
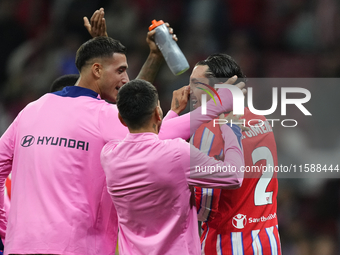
98,47
64,81
222,66
136,102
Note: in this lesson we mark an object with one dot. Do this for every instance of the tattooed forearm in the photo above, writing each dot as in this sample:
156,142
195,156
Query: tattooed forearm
150,68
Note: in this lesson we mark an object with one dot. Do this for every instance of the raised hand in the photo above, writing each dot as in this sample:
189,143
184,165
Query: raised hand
180,99
240,85
97,27
155,59
150,39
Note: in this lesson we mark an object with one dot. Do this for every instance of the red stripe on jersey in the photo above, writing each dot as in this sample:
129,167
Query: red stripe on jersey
259,242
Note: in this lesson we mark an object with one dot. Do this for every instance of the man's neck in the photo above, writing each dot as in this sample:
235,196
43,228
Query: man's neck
88,84
150,129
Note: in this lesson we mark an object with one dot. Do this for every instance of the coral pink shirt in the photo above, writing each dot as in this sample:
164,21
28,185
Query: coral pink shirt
151,183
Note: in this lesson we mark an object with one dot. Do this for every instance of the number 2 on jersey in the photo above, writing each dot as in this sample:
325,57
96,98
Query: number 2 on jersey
261,197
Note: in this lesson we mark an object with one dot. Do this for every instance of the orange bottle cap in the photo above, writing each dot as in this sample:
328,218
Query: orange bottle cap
155,24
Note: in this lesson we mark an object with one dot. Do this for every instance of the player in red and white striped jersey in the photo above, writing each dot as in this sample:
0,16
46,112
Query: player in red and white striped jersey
244,220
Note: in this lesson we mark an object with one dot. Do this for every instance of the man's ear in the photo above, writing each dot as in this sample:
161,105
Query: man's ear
96,69
158,114
121,120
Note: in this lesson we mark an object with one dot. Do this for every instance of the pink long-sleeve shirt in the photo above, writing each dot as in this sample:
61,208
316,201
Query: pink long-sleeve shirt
150,182
59,200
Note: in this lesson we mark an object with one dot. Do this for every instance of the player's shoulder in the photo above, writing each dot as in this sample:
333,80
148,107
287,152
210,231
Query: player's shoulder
107,107
208,129
110,147
36,103
174,142
112,144
177,145
256,121
259,127
211,125
248,115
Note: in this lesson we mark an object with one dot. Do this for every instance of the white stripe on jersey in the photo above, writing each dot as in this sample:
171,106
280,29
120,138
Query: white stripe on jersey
277,227
237,243
272,240
206,198
257,247
205,207
218,245
206,141
204,240
192,139
203,202
221,153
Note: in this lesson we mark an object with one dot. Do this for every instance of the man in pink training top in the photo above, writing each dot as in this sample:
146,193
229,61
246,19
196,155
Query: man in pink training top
151,180
59,202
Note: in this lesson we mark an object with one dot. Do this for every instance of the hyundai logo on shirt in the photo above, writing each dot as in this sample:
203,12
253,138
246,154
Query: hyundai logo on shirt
27,140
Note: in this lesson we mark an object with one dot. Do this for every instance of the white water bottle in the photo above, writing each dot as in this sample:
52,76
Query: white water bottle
172,54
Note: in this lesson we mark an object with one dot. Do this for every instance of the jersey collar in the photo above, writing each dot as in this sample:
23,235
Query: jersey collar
76,91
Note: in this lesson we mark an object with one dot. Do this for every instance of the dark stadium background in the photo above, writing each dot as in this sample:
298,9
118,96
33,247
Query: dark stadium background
268,38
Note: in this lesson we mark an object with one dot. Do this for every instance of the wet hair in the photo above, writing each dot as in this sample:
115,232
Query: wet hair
222,66
64,81
136,102
98,47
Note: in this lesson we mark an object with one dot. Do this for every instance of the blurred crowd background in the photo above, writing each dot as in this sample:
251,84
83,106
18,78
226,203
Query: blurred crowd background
268,38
